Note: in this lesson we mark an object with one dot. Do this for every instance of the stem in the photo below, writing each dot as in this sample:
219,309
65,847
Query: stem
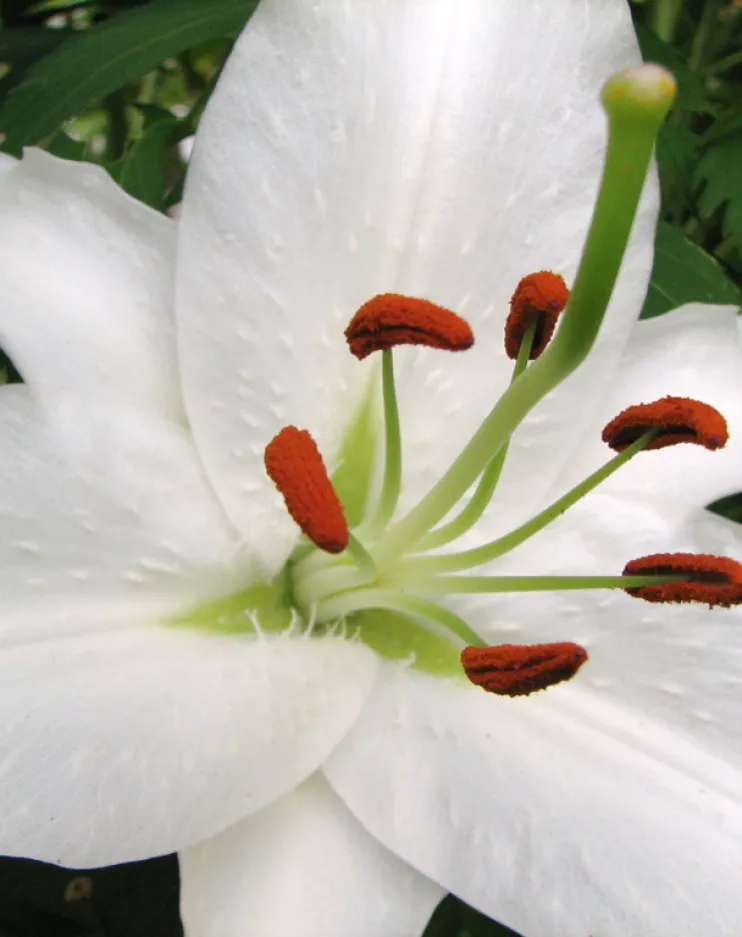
636,101
491,475
343,605
490,551
494,584
361,557
393,450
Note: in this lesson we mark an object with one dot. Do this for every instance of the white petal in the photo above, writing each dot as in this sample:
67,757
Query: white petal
304,867
678,664
695,352
104,514
86,291
429,148
129,743
555,813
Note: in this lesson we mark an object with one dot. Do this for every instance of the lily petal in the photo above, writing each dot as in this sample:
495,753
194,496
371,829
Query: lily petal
106,515
86,291
371,147
305,867
695,351
678,665
125,744
555,813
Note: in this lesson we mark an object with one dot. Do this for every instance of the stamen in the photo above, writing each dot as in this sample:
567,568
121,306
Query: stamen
294,464
714,580
391,319
539,298
521,669
674,419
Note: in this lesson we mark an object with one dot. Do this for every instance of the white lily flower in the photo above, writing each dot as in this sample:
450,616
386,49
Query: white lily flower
160,692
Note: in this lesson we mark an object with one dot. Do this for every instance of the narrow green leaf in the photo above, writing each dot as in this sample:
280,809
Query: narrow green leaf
65,147
677,155
720,174
27,43
684,273
21,48
691,95
95,62
143,170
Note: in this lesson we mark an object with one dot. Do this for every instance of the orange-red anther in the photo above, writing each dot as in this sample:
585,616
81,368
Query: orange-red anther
677,419
713,580
390,319
520,669
541,295
295,466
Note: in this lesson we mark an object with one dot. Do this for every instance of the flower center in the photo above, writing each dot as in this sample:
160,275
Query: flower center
380,573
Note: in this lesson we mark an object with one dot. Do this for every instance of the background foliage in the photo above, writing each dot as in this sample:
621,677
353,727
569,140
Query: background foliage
123,83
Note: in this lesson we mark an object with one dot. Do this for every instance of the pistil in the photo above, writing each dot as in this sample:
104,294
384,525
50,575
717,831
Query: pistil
636,102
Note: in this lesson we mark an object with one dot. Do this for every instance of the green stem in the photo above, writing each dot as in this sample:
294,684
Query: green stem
393,451
637,102
343,605
468,559
490,477
494,584
361,557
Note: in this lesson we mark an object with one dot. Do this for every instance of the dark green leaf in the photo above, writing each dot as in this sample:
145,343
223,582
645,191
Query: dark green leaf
143,170
684,273
729,507
26,44
720,174
20,48
677,154
135,900
65,147
691,95
95,62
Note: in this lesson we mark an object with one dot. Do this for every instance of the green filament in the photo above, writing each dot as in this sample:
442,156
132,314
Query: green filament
468,559
393,450
494,584
490,477
340,606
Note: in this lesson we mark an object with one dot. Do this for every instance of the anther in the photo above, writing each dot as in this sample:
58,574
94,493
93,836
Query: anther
713,580
391,319
294,464
540,296
675,419
520,669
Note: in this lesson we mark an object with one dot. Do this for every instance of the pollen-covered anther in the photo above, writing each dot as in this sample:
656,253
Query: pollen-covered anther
713,580
520,669
540,296
675,420
294,464
391,319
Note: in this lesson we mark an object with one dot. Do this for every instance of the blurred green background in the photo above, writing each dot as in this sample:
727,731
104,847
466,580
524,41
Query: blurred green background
123,83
